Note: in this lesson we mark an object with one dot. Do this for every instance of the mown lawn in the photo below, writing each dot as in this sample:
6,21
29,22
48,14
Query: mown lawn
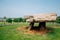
9,32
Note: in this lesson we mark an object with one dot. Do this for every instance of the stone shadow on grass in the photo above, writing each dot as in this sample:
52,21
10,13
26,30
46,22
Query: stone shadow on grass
49,30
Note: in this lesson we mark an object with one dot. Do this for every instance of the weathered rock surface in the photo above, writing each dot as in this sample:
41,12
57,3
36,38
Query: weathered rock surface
41,17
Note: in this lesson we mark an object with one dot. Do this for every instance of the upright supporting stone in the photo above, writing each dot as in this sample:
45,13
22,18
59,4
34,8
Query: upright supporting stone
31,25
42,25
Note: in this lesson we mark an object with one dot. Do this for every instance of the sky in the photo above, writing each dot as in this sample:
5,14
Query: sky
19,8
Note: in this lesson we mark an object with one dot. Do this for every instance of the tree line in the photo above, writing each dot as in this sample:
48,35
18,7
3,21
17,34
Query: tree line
10,20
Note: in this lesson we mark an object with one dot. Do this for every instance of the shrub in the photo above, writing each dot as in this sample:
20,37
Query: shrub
58,19
9,20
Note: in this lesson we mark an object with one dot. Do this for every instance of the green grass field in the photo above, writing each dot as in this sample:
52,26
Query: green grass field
8,32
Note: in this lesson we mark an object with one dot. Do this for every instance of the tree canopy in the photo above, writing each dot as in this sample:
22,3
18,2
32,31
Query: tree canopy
58,19
9,20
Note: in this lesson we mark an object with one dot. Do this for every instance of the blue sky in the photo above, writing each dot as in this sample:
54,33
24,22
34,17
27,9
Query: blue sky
19,8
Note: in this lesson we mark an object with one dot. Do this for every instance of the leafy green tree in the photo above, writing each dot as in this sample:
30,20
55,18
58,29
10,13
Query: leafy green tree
16,20
9,20
20,19
58,19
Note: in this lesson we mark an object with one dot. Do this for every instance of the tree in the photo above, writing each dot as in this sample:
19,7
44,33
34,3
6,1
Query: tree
20,19
16,20
9,20
4,17
58,19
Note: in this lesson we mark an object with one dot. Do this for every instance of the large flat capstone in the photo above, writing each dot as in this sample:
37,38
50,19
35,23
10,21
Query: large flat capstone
41,17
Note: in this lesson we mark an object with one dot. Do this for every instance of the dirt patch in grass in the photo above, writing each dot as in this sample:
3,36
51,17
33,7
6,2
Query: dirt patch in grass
27,31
